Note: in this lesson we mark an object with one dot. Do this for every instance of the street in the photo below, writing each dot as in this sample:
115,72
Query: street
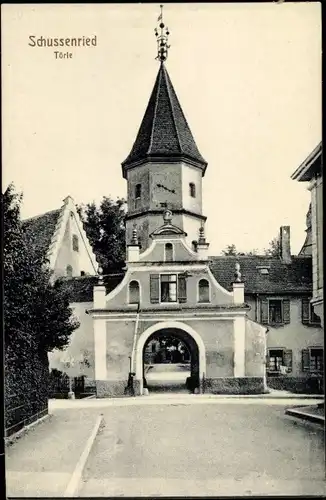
167,377
229,449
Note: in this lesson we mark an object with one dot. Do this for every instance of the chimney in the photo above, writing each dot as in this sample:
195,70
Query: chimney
285,246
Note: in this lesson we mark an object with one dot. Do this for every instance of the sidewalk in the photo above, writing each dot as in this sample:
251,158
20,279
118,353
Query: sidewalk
42,461
170,398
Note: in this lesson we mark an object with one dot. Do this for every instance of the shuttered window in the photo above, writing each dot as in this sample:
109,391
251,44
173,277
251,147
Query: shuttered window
305,308
182,288
264,311
154,288
308,315
313,360
168,288
279,361
275,311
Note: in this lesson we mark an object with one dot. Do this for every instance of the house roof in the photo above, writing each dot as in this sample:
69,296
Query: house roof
45,232
80,288
310,166
164,131
39,230
282,278
294,277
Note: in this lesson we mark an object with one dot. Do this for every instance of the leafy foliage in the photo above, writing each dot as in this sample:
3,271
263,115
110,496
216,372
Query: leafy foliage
105,228
37,317
232,251
274,249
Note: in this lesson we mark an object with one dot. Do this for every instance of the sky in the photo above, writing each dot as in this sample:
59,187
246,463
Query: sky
248,77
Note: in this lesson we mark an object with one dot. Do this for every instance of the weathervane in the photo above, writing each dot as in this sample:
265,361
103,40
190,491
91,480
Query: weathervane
162,38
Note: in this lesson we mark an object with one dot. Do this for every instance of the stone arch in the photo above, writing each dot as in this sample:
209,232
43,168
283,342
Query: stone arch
163,325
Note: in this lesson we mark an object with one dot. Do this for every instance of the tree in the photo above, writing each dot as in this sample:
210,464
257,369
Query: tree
37,319
37,312
105,228
274,249
231,250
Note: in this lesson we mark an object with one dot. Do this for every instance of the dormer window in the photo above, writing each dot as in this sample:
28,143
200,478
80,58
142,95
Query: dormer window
263,269
192,190
168,252
75,243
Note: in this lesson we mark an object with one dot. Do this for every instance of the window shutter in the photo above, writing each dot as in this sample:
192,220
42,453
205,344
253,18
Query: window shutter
154,288
267,361
305,360
305,311
182,288
286,311
288,359
264,311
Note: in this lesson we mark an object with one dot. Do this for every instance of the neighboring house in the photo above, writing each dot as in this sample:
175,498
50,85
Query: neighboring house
278,291
60,237
311,170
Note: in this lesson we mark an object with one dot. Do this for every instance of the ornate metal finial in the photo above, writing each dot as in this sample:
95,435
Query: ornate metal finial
167,217
162,37
202,238
100,275
134,239
237,273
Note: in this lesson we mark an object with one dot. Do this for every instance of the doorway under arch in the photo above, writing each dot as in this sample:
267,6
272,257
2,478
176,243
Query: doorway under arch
176,353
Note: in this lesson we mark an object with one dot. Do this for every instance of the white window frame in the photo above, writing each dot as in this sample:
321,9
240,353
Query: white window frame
160,288
269,349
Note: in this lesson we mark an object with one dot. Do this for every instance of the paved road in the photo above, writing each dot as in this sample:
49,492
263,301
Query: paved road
167,377
227,449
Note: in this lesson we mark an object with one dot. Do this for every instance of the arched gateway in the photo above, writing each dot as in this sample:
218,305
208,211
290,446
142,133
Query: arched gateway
181,331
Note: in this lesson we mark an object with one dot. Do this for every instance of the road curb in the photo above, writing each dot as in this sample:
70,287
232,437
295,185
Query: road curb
74,482
316,419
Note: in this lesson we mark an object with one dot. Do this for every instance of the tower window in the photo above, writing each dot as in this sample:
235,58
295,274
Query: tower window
133,292
69,271
75,243
168,252
192,190
138,191
203,291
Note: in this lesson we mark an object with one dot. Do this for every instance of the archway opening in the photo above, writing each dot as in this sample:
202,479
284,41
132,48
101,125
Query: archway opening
170,362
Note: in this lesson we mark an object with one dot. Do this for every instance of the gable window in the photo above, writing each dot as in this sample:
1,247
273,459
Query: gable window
192,190
75,243
279,361
69,271
133,292
168,288
168,252
275,311
203,291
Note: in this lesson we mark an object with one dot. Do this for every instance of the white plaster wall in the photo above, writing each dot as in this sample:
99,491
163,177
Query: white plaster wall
191,226
194,175
81,260
81,342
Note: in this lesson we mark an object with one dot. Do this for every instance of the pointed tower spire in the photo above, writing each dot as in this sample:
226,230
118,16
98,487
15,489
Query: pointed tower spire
162,36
